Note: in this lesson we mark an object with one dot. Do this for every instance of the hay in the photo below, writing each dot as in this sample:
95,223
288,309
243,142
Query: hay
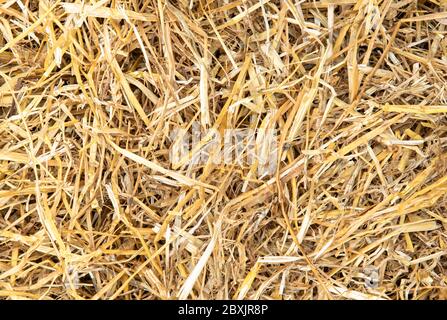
94,207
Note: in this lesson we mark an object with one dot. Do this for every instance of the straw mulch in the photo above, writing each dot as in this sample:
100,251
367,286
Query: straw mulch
91,207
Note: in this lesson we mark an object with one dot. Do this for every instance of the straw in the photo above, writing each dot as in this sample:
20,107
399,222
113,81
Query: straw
96,98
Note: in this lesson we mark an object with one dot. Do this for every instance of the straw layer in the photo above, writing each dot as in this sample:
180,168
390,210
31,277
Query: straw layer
351,203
